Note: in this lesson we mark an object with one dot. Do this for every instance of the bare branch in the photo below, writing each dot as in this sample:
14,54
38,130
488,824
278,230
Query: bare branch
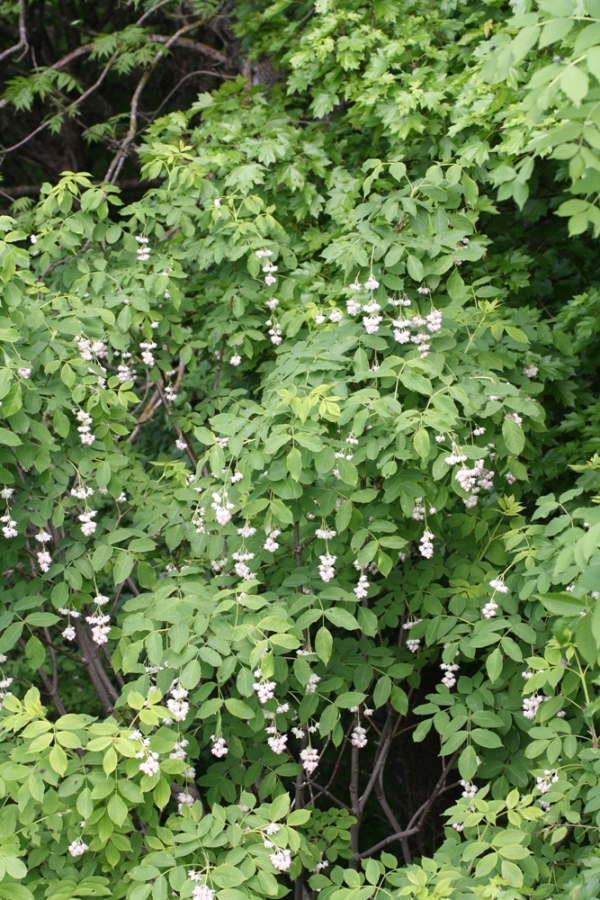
23,43
417,820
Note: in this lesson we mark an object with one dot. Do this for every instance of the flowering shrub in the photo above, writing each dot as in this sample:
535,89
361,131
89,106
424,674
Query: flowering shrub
287,487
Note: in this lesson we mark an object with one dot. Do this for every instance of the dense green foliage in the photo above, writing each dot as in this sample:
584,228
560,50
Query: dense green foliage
300,464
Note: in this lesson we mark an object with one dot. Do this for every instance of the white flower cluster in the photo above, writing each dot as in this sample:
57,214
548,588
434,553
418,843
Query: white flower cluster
88,350
326,567
402,330
277,742
150,764
143,250
198,521
9,529
489,610
449,670
147,355
81,492
24,372
281,859
242,570
418,513
219,747
100,627
247,531
222,506
325,534
515,417
178,752
358,738
426,544
313,681
310,759
265,690
530,371
469,789
362,588
177,704
498,585
532,704
472,481
203,892
85,434
78,847
270,543
88,526
544,782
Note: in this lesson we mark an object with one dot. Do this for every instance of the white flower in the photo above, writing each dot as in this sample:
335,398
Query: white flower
88,527
181,444
325,534
219,747
265,690
358,737
326,567
532,704
151,765
281,859
489,610
515,418
24,373
217,203
413,644
235,360
44,560
9,529
470,789
6,493
449,670
178,708
69,633
278,742
203,892
78,847
362,588
530,371
246,531
426,544
313,681
310,759
371,284
498,585
336,315
270,543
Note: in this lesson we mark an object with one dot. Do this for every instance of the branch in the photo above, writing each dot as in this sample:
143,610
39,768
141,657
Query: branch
69,108
384,745
117,163
22,35
417,820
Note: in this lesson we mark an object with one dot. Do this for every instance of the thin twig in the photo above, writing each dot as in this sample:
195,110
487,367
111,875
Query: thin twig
417,820
71,107
23,43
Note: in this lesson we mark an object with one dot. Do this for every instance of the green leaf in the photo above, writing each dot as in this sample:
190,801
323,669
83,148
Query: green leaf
513,435
575,83
117,809
342,618
239,709
467,763
294,463
494,664
323,644
123,565
9,439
